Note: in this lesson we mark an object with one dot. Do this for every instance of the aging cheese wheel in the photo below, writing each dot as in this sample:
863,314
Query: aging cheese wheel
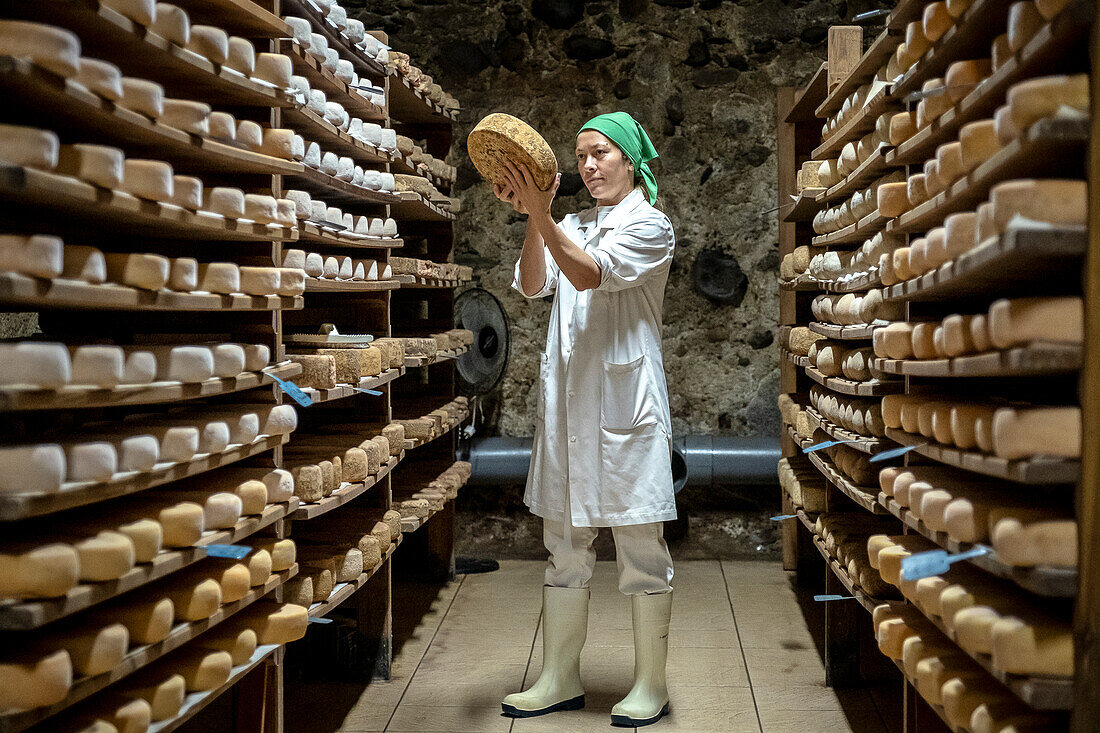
979,143
936,21
1024,21
1034,99
241,56
499,137
165,694
281,625
143,96
54,49
96,647
1021,433
209,41
145,271
194,600
148,179
172,24
29,147
184,114
962,77
1021,320
47,571
240,643
35,682
1048,200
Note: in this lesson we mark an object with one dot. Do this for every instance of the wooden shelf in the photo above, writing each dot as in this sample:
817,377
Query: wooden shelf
804,206
1043,54
16,615
333,191
40,98
865,443
852,332
76,202
1048,581
870,388
345,493
308,232
809,97
413,207
76,396
319,285
39,294
410,107
854,590
344,390
865,497
343,591
873,59
364,66
19,506
856,233
861,123
411,444
336,90
143,655
1038,470
866,173
1023,361
801,283
1025,259
799,360
970,37
413,282
1051,146
401,165
420,361
315,128
864,281
106,34
245,18
196,701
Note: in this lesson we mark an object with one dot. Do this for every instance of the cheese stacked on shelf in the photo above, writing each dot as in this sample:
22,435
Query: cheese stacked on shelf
802,482
859,415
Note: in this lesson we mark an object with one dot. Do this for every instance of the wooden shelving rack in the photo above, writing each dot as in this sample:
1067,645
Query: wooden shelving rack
75,311
1026,260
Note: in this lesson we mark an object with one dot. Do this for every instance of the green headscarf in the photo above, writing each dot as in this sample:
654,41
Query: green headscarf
627,133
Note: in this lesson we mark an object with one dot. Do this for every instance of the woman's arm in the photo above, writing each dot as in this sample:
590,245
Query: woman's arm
532,263
581,270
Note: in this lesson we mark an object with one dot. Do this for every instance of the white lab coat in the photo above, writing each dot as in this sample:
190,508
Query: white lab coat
603,440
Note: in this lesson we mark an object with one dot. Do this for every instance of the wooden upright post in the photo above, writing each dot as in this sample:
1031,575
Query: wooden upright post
845,48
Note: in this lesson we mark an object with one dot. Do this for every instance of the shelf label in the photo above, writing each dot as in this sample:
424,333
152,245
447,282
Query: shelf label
894,452
319,620
870,15
826,444
781,517
833,597
293,390
233,552
935,562
364,390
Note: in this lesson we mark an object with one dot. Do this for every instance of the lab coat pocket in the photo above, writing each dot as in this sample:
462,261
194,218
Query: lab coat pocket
544,378
625,403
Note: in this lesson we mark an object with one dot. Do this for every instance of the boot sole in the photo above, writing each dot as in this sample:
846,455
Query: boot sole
575,703
625,721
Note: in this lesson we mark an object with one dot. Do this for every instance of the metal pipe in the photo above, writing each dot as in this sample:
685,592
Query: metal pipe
698,460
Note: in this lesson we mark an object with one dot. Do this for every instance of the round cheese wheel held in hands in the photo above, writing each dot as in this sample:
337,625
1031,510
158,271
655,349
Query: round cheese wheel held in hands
500,137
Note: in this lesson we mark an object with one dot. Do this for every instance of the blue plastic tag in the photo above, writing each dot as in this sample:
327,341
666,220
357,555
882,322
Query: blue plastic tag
826,444
294,391
832,597
894,452
781,517
233,552
318,620
364,390
935,562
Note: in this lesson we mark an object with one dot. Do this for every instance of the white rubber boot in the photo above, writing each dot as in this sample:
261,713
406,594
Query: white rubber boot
647,701
564,630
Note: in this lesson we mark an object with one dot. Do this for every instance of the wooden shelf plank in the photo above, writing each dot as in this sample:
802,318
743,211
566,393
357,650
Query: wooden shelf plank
143,655
18,615
799,360
345,493
859,332
865,443
1051,146
1051,49
1049,581
245,18
804,206
867,601
310,232
1025,259
39,294
414,282
865,497
19,506
410,107
334,191
343,591
315,128
341,391
402,165
873,59
871,388
364,66
106,34
413,207
856,233
1023,361
1038,470
319,285
336,90
861,123
801,283
32,193
419,361
76,396
809,97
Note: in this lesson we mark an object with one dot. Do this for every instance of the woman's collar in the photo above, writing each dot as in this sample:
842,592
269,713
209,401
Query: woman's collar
614,214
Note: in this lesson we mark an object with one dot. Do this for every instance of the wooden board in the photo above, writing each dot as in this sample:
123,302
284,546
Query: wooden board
413,281
30,614
865,443
26,192
1023,260
874,58
861,123
245,18
870,388
74,396
345,493
804,206
19,506
1038,470
856,332
413,207
809,97
1030,360
341,391
336,90
39,294
319,285
1051,147
856,233
309,232
335,192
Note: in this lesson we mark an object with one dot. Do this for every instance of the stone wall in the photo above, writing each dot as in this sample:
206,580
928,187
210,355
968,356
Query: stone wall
701,77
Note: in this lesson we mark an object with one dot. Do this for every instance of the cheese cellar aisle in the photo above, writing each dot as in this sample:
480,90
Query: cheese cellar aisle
933,185
228,406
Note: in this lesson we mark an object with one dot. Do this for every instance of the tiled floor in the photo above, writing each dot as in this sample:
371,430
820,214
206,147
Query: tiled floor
740,659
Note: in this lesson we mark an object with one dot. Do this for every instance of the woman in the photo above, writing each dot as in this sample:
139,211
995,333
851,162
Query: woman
602,447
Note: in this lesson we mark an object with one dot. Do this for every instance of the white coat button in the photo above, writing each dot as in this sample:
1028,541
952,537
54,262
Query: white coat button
572,438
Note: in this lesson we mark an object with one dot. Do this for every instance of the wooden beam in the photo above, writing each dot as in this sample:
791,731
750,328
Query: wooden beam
845,49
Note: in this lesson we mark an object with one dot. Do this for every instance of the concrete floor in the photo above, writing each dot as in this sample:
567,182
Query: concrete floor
740,659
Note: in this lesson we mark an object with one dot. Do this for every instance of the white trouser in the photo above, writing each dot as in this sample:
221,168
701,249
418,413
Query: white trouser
645,565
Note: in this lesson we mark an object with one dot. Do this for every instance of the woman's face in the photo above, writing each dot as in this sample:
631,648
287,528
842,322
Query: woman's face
604,169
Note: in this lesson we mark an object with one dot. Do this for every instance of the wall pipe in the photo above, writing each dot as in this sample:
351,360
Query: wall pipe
697,460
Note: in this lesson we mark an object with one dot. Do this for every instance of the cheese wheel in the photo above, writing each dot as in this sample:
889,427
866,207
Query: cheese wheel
1051,201
187,192
116,714
949,165
280,626
202,669
1034,99
172,24
278,143
145,271
1019,321
29,147
223,126
101,78
92,461
241,56
921,335
903,125
1004,126
142,96
194,601
46,571
970,426
936,21
37,469
36,364
54,49
219,277
292,282
985,226
956,336
1024,542
282,552
222,510
979,143
959,234
95,648
45,256
239,643
957,7
892,199
961,696
235,581
1021,433
308,482
962,77
147,537
184,363
275,69
147,179
209,41
1024,21
936,100
165,694
183,114
35,681
1000,52
259,280
226,201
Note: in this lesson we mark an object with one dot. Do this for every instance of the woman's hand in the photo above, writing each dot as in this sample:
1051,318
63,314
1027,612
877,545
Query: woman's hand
508,196
522,183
